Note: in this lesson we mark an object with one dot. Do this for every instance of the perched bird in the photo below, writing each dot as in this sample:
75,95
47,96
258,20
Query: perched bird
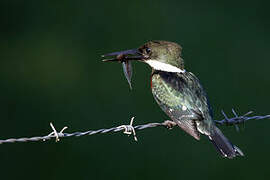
178,92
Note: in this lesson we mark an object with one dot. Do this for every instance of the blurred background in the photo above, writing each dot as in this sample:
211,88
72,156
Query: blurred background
51,71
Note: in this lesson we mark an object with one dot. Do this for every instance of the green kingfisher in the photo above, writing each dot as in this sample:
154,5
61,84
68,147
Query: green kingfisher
178,92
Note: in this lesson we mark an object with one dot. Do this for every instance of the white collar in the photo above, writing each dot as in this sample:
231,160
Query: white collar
157,65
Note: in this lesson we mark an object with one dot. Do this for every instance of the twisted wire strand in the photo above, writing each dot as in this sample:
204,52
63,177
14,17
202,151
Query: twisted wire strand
239,119
130,129
126,128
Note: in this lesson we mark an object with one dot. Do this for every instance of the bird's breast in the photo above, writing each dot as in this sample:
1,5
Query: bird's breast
164,92
179,91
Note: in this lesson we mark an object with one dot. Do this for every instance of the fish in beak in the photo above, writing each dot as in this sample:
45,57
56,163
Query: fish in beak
125,57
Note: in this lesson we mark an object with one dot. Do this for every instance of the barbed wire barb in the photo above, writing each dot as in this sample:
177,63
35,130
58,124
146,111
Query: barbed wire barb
130,129
238,119
55,133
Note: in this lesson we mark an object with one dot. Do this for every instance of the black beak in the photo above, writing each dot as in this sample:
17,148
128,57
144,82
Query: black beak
123,56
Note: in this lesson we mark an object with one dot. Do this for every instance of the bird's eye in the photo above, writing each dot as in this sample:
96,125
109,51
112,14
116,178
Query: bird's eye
147,50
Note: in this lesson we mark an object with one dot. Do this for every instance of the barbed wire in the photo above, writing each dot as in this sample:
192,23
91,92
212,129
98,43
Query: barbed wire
130,129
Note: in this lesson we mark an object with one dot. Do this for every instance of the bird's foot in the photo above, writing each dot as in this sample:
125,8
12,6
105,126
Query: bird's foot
169,124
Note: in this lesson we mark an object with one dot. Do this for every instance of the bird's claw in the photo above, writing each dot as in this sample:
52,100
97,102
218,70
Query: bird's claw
169,124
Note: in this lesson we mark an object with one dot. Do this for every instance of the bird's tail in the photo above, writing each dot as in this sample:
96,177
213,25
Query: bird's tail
223,145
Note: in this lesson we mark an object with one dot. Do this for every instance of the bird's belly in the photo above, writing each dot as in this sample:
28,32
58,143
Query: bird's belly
166,96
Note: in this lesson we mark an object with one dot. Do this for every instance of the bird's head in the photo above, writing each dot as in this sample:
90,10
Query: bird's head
160,55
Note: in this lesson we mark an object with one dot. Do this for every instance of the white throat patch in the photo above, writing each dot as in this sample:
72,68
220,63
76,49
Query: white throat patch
164,67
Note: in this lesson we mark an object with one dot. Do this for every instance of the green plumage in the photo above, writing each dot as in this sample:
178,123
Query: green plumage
182,98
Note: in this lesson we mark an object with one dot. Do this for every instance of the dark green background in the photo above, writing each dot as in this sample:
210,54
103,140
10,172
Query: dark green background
51,71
